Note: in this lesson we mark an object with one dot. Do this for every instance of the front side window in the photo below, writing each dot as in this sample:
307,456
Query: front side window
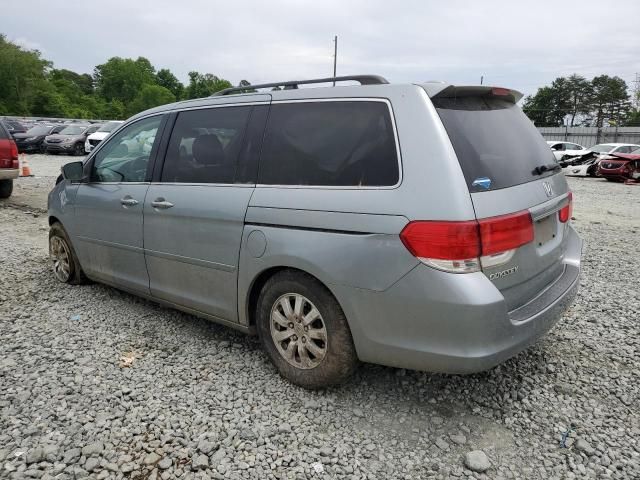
335,143
205,144
125,156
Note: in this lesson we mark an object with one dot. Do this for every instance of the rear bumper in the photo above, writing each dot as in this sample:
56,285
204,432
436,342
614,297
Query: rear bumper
441,322
9,173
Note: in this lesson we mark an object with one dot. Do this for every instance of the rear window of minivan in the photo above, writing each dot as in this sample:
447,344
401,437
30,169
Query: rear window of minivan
496,144
330,143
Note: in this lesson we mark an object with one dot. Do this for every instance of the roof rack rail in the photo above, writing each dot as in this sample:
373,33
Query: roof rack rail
293,84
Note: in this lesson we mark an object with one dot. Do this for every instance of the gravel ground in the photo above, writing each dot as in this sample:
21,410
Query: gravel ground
97,383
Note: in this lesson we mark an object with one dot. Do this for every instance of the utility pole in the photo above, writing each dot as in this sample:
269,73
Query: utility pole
481,79
335,56
636,91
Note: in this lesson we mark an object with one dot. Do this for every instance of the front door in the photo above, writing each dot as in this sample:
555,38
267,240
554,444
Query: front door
108,209
194,214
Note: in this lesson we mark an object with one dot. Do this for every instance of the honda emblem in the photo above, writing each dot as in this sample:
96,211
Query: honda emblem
548,189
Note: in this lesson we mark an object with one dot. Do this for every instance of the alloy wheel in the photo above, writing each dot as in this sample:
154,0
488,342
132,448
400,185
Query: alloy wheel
60,258
298,331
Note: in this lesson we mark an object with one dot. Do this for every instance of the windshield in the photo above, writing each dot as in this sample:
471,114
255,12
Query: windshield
496,144
73,130
38,130
109,126
603,148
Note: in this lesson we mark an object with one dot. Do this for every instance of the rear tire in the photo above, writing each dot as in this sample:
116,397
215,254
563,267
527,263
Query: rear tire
66,267
6,188
309,342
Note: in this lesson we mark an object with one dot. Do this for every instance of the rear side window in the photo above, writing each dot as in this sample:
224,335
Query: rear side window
334,143
205,144
496,144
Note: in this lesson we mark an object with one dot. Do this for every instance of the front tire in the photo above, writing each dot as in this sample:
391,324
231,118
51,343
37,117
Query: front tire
65,264
304,331
79,149
6,188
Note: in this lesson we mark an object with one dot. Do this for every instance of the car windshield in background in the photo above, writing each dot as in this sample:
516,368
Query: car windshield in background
72,130
604,148
496,144
109,127
635,152
38,130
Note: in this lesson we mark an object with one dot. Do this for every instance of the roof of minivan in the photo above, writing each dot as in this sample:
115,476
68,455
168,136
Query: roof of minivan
379,90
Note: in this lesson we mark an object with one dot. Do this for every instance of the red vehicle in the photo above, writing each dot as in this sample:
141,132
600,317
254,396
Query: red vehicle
9,163
620,167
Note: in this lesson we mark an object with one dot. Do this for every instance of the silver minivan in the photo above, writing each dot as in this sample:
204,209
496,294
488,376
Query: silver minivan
422,226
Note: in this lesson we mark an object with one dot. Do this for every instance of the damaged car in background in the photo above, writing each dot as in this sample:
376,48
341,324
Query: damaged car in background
620,167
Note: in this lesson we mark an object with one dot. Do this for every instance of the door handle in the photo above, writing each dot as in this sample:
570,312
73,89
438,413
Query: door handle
161,203
128,201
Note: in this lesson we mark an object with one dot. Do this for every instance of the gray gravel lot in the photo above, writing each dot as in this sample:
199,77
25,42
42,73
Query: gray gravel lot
97,383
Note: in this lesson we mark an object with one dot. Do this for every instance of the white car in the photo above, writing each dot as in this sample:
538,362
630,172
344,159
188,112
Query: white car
102,133
565,149
587,168
607,148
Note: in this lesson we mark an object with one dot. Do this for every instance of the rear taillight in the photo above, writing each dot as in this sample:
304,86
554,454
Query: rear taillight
565,213
15,162
462,247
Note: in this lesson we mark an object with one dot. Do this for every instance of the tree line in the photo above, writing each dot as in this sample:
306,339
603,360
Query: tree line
121,87
117,89
575,101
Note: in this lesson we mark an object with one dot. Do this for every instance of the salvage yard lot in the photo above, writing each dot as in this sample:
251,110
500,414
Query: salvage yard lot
96,382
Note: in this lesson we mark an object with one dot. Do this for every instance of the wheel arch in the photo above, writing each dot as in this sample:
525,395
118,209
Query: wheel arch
262,278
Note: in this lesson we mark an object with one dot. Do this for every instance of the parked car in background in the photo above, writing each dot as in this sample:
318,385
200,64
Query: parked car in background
9,162
620,167
608,148
100,134
563,150
33,139
13,126
417,226
70,140
585,165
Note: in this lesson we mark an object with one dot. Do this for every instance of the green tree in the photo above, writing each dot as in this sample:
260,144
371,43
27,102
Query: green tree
204,85
610,101
580,93
548,107
22,73
168,80
123,78
150,96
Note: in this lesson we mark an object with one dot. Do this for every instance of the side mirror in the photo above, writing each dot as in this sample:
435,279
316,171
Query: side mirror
73,171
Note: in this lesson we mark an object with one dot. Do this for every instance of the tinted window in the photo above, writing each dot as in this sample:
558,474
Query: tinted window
205,144
330,144
4,134
493,140
125,156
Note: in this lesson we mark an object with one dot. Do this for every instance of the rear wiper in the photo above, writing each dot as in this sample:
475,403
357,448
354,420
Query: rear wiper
540,169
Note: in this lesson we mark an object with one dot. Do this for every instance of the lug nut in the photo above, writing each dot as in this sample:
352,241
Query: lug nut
295,338
304,339
290,324
306,329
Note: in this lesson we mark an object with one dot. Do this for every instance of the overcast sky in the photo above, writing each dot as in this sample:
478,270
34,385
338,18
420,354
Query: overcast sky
522,45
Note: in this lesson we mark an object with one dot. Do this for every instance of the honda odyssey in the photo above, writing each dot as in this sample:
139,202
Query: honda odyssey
422,226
